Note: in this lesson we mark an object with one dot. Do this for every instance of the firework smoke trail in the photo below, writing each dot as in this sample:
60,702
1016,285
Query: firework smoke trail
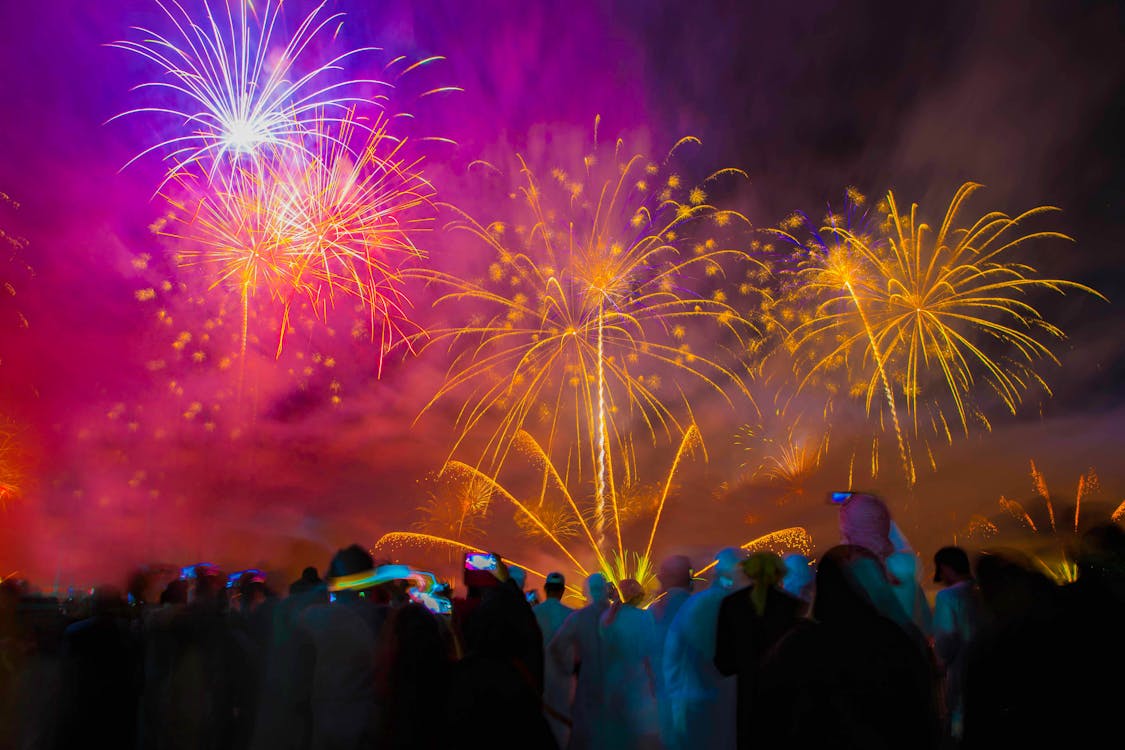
592,280
246,102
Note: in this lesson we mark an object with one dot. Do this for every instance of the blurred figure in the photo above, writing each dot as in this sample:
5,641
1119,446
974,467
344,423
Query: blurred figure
338,656
865,521
675,587
751,620
99,677
702,700
902,574
308,581
956,621
550,614
1027,659
414,675
629,643
575,651
496,692
800,577
848,678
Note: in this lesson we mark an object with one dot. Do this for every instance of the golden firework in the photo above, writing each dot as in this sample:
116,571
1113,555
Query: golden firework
602,278
579,544
927,320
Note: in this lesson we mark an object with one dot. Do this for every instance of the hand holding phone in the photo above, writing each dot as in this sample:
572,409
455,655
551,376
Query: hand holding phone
480,561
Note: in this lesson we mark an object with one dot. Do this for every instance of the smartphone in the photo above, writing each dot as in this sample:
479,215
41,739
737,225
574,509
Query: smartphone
533,598
480,561
839,498
188,572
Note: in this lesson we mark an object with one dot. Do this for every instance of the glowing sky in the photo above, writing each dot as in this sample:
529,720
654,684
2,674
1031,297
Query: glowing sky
806,99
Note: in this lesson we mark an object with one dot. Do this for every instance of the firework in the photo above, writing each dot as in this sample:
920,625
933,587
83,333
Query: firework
243,94
583,321
579,544
333,227
928,319
12,265
10,474
1044,523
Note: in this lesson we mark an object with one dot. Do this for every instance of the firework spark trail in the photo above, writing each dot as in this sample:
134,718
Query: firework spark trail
591,281
913,302
623,563
245,101
792,538
335,226
408,538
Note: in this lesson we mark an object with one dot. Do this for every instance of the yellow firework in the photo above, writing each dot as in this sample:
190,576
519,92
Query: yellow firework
12,264
10,474
1048,526
929,319
580,546
313,231
601,278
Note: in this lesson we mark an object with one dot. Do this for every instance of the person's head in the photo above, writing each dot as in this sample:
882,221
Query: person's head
518,575
252,590
728,568
865,521
107,601
347,572
632,592
176,592
951,565
597,589
308,581
210,585
675,572
799,576
554,586
840,595
764,570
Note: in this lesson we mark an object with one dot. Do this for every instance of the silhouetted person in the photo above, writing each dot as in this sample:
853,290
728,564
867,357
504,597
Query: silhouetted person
99,678
496,694
1045,668
414,673
955,624
338,657
550,614
576,651
751,620
848,678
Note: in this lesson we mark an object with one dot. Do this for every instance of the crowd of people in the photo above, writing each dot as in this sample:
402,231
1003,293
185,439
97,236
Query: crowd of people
845,652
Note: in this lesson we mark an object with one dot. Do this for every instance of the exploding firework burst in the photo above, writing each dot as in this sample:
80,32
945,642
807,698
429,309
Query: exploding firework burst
583,321
242,92
580,545
314,231
927,320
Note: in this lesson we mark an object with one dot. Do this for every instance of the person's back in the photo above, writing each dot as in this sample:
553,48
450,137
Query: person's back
414,676
850,678
576,650
751,620
702,700
629,643
338,656
100,678
550,614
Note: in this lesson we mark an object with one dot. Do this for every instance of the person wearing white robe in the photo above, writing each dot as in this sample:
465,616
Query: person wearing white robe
703,702
551,614
631,720
575,652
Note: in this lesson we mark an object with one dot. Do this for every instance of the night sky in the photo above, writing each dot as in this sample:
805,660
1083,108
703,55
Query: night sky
807,98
